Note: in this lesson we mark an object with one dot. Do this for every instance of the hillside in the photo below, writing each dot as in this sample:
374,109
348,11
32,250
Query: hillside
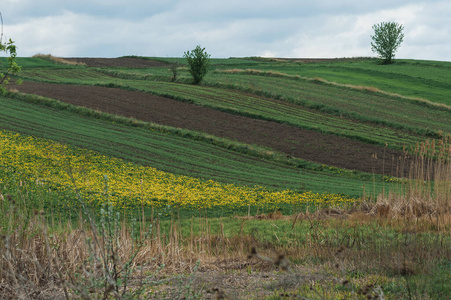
265,105
273,179
294,141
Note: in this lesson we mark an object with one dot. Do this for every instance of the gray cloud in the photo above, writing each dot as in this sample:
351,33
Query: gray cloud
289,28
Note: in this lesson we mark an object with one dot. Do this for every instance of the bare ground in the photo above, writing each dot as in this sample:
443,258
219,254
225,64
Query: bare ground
129,62
309,145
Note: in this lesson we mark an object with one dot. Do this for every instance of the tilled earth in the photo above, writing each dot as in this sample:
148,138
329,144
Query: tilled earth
293,141
129,62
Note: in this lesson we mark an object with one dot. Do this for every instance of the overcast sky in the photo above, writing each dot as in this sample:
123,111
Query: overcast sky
229,28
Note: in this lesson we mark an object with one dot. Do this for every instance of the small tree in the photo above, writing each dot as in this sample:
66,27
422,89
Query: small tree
386,40
12,68
174,70
199,63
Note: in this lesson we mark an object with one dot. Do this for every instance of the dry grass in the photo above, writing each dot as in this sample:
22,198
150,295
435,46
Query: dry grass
78,262
427,193
59,60
68,264
259,72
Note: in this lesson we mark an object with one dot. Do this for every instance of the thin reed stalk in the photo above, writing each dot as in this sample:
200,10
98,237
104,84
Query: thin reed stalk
427,190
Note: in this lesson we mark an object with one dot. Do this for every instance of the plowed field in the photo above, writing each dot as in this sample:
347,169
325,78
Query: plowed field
129,62
293,141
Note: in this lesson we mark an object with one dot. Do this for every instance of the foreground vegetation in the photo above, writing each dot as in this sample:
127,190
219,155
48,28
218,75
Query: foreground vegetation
396,247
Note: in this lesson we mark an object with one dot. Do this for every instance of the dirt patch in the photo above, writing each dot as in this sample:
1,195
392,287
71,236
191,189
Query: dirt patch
219,284
316,60
309,145
121,62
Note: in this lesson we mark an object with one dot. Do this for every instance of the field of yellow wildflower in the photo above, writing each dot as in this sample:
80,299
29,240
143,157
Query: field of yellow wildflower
100,178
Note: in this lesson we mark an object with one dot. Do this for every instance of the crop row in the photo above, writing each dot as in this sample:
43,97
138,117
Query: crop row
279,111
167,151
77,75
364,105
354,104
413,78
246,104
422,80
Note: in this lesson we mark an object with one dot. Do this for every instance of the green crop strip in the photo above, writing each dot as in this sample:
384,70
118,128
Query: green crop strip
424,79
365,106
407,85
66,75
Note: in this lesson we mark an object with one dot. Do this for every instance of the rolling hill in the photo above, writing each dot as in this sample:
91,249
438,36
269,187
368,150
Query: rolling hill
320,125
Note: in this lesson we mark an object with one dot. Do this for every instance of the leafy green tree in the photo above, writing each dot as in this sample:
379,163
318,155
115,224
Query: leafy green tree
199,63
386,40
11,68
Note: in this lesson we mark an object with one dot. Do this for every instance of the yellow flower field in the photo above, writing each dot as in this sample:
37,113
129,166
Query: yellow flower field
100,178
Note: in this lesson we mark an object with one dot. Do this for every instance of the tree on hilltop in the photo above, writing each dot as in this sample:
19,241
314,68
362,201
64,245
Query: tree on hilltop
386,40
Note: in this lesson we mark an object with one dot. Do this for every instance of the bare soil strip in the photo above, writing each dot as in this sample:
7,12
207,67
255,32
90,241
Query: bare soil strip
122,62
309,145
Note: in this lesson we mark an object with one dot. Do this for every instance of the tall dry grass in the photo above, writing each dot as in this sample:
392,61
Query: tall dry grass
110,259
116,260
427,191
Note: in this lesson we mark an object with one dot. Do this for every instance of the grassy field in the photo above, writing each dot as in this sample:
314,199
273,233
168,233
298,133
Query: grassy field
97,206
422,79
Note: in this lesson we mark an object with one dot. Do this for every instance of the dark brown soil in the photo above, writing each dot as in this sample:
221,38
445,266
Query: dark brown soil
293,141
321,60
126,62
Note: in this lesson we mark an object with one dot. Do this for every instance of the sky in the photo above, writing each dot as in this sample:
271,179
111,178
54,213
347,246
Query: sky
232,28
